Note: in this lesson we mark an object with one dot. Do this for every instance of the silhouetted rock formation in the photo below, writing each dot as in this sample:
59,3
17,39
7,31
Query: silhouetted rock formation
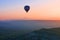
43,34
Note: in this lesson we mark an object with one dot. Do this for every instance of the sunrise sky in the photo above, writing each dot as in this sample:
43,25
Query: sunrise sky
40,10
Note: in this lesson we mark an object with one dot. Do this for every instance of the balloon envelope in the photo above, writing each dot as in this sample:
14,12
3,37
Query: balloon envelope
27,8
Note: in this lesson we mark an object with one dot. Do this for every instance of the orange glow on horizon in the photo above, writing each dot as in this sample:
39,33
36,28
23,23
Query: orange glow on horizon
49,11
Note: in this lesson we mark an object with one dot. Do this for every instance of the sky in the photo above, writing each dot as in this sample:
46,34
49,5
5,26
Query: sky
39,10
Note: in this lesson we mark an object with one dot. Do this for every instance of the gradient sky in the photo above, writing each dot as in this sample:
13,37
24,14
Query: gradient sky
40,10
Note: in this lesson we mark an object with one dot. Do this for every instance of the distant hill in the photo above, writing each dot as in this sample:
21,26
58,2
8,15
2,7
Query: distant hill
43,34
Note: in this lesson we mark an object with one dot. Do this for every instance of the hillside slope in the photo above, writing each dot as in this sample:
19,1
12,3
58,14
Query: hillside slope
43,34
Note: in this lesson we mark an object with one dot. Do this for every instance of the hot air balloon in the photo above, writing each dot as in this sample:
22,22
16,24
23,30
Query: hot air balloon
26,8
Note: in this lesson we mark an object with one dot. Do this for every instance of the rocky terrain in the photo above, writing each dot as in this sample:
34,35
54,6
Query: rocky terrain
43,34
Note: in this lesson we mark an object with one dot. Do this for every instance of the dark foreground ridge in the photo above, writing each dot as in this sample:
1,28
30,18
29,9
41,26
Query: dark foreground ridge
42,34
